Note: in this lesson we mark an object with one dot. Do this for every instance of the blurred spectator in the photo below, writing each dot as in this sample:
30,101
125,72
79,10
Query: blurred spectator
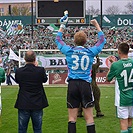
8,75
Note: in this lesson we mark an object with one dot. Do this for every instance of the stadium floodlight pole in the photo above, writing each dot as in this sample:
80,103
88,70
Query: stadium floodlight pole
32,22
101,14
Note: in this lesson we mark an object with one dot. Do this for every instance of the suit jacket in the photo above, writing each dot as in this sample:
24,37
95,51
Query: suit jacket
31,94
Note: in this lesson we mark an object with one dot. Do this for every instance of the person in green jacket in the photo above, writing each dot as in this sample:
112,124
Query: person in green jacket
2,79
2,74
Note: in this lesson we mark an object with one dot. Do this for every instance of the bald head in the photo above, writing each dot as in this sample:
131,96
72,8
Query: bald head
30,56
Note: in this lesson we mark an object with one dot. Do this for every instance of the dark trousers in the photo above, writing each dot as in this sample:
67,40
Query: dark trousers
8,80
24,117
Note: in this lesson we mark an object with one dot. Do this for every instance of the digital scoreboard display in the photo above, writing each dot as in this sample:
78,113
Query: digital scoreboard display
51,9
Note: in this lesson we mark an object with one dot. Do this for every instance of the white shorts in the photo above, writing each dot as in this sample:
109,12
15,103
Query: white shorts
124,112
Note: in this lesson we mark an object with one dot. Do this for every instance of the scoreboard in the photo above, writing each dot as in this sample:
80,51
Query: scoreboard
49,11
57,21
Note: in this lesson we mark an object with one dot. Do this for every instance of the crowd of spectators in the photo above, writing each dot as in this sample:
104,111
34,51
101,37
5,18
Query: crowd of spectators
43,38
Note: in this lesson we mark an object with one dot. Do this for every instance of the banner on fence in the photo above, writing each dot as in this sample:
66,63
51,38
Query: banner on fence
60,62
61,78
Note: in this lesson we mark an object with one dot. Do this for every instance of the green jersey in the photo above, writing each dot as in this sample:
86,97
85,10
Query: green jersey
122,70
2,75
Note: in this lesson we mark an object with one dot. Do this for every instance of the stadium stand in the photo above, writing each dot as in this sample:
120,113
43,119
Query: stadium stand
44,39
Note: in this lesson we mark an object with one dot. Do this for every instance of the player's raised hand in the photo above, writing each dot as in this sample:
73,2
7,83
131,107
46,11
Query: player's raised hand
66,13
95,23
64,20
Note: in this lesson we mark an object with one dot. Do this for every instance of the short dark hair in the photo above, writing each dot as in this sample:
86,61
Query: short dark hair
124,48
30,56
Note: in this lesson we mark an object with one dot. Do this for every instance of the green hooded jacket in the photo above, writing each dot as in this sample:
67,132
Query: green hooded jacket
2,75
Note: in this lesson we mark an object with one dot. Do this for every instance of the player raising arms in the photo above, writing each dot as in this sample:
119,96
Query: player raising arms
122,71
79,61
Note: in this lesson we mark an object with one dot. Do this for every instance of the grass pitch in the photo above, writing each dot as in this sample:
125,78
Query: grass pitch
55,116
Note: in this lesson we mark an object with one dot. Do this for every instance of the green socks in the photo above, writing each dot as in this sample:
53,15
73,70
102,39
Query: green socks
124,131
129,129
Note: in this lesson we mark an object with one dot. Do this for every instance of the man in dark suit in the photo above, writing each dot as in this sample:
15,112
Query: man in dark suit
31,96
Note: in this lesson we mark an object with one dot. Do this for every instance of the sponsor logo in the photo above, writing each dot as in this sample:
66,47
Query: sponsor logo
109,60
100,79
57,78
